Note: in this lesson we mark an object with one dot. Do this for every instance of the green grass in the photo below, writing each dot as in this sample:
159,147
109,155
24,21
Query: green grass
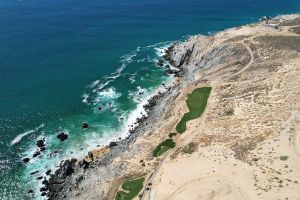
163,147
133,187
196,104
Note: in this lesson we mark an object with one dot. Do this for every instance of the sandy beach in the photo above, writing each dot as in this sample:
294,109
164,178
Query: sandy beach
244,146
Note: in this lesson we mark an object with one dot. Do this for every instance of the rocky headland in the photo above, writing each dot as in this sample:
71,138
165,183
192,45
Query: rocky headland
246,145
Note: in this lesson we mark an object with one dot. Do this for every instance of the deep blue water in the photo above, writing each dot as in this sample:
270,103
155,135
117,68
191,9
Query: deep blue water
51,51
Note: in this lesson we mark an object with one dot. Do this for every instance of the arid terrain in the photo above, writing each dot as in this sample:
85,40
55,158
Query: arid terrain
246,145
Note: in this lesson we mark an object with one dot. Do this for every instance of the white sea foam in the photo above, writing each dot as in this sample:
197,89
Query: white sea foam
20,136
109,93
93,84
85,98
132,79
160,51
128,58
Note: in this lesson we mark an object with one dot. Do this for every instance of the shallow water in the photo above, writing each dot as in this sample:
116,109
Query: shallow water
62,60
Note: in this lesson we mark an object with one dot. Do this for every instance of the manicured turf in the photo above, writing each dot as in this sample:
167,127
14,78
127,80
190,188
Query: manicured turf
196,103
133,187
163,147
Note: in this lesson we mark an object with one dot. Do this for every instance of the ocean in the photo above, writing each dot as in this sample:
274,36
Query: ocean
64,63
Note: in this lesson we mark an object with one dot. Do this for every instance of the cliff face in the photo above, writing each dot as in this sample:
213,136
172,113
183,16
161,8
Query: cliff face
246,145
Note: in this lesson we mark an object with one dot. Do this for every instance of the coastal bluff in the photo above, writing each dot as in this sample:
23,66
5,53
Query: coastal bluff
244,145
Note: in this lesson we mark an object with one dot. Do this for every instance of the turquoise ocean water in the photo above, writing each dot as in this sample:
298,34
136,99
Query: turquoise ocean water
66,62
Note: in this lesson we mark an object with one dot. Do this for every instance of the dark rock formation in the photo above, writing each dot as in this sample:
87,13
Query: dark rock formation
40,143
85,125
35,154
90,154
62,136
112,144
25,160
43,194
169,71
32,173
160,63
48,172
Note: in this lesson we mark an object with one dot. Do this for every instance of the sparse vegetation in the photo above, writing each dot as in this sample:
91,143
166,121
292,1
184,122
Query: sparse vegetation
229,111
172,135
133,187
283,158
190,148
196,103
238,62
163,147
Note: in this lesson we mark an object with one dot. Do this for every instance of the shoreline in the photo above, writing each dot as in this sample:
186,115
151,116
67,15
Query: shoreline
160,112
106,154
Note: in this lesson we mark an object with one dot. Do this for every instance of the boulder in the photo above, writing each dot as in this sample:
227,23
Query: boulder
85,125
32,173
45,182
84,164
90,154
25,160
62,136
48,172
160,63
112,144
40,143
73,160
169,71
35,154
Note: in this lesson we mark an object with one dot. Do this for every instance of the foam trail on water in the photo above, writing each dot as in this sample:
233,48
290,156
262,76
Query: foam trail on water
20,136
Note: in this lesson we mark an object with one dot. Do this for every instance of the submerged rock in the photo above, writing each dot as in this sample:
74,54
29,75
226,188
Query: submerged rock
85,125
62,136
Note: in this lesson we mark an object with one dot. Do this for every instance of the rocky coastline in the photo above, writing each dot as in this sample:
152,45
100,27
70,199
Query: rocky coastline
98,175
57,185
